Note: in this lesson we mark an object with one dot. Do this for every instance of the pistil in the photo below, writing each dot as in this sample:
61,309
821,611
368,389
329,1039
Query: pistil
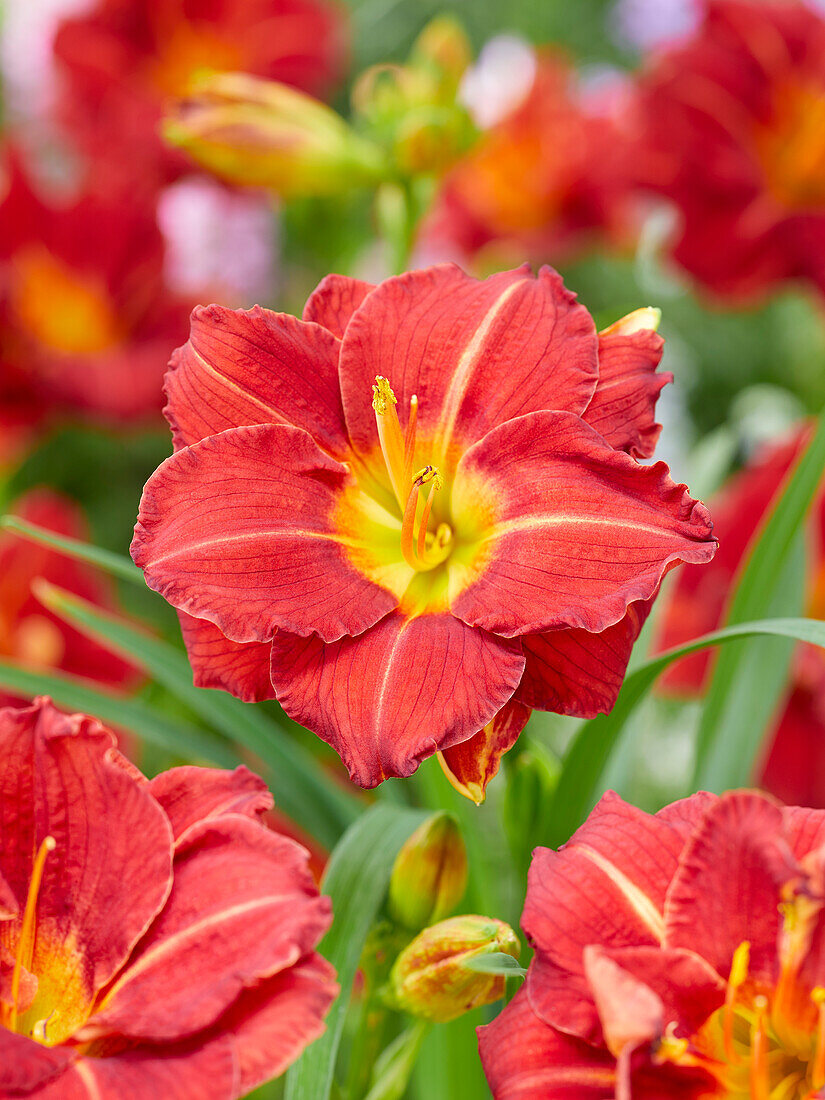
760,1067
25,945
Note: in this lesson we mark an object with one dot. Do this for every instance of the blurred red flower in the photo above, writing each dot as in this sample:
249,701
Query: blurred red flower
86,320
547,180
403,590
794,764
155,938
123,59
29,632
677,955
731,128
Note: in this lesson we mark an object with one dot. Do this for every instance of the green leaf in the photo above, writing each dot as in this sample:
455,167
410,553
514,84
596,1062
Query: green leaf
579,783
76,694
116,564
724,755
356,880
395,1064
497,963
300,786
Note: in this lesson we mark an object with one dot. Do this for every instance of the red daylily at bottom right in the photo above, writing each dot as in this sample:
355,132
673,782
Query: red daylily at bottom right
677,955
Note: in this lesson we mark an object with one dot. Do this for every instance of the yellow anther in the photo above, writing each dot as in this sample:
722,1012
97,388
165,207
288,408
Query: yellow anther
739,965
382,395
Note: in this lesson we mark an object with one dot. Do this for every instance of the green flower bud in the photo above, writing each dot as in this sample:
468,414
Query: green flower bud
430,873
430,978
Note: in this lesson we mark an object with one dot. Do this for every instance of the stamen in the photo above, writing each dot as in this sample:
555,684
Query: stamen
25,944
760,1068
389,435
738,974
421,548
409,439
818,1068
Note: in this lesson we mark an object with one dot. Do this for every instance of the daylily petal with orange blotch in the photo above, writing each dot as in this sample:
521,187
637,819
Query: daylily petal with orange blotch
156,938
680,954
424,499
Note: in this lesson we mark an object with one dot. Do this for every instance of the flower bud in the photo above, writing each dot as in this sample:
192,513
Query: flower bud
262,134
443,49
430,977
430,873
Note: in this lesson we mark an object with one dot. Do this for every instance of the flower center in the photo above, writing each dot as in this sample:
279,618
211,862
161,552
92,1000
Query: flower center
791,147
422,549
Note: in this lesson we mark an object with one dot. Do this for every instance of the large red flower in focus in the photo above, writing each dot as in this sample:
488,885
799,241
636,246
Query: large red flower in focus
794,766
548,179
29,632
122,60
404,585
731,128
156,939
677,955
85,317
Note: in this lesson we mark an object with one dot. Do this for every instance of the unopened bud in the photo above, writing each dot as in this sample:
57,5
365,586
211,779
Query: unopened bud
430,874
259,133
431,979
444,48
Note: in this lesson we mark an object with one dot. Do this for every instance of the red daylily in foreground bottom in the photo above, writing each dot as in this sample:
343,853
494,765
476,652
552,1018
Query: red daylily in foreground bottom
677,955
417,513
156,939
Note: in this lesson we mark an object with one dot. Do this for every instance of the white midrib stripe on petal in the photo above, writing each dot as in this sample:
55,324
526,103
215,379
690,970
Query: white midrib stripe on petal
638,900
562,519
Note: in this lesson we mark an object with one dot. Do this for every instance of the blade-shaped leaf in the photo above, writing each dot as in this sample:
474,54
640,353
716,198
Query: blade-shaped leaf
356,880
579,786
116,564
497,963
301,788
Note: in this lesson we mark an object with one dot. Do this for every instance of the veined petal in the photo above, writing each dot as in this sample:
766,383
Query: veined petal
525,1059
407,688
180,1072
623,408
471,764
334,301
564,530
273,1022
576,672
254,366
240,529
190,794
474,353
241,668
630,1012
26,1066
243,906
110,870
605,887
727,887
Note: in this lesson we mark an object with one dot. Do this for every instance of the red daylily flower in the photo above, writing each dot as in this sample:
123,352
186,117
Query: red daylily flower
731,128
155,938
402,586
122,60
85,316
547,179
793,767
29,632
677,955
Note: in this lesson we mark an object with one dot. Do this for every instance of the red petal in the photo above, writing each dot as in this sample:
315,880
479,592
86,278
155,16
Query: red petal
255,367
26,1065
631,1014
243,906
272,1023
804,828
189,795
576,672
110,871
471,765
180,1072
524,1059
334,301
624,404
574,531
475,353
398,693
241,668
240,530
794,770
686,814
605,887
727,888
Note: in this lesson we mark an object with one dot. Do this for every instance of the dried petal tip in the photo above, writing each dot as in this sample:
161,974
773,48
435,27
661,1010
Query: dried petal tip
430,874
431,978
